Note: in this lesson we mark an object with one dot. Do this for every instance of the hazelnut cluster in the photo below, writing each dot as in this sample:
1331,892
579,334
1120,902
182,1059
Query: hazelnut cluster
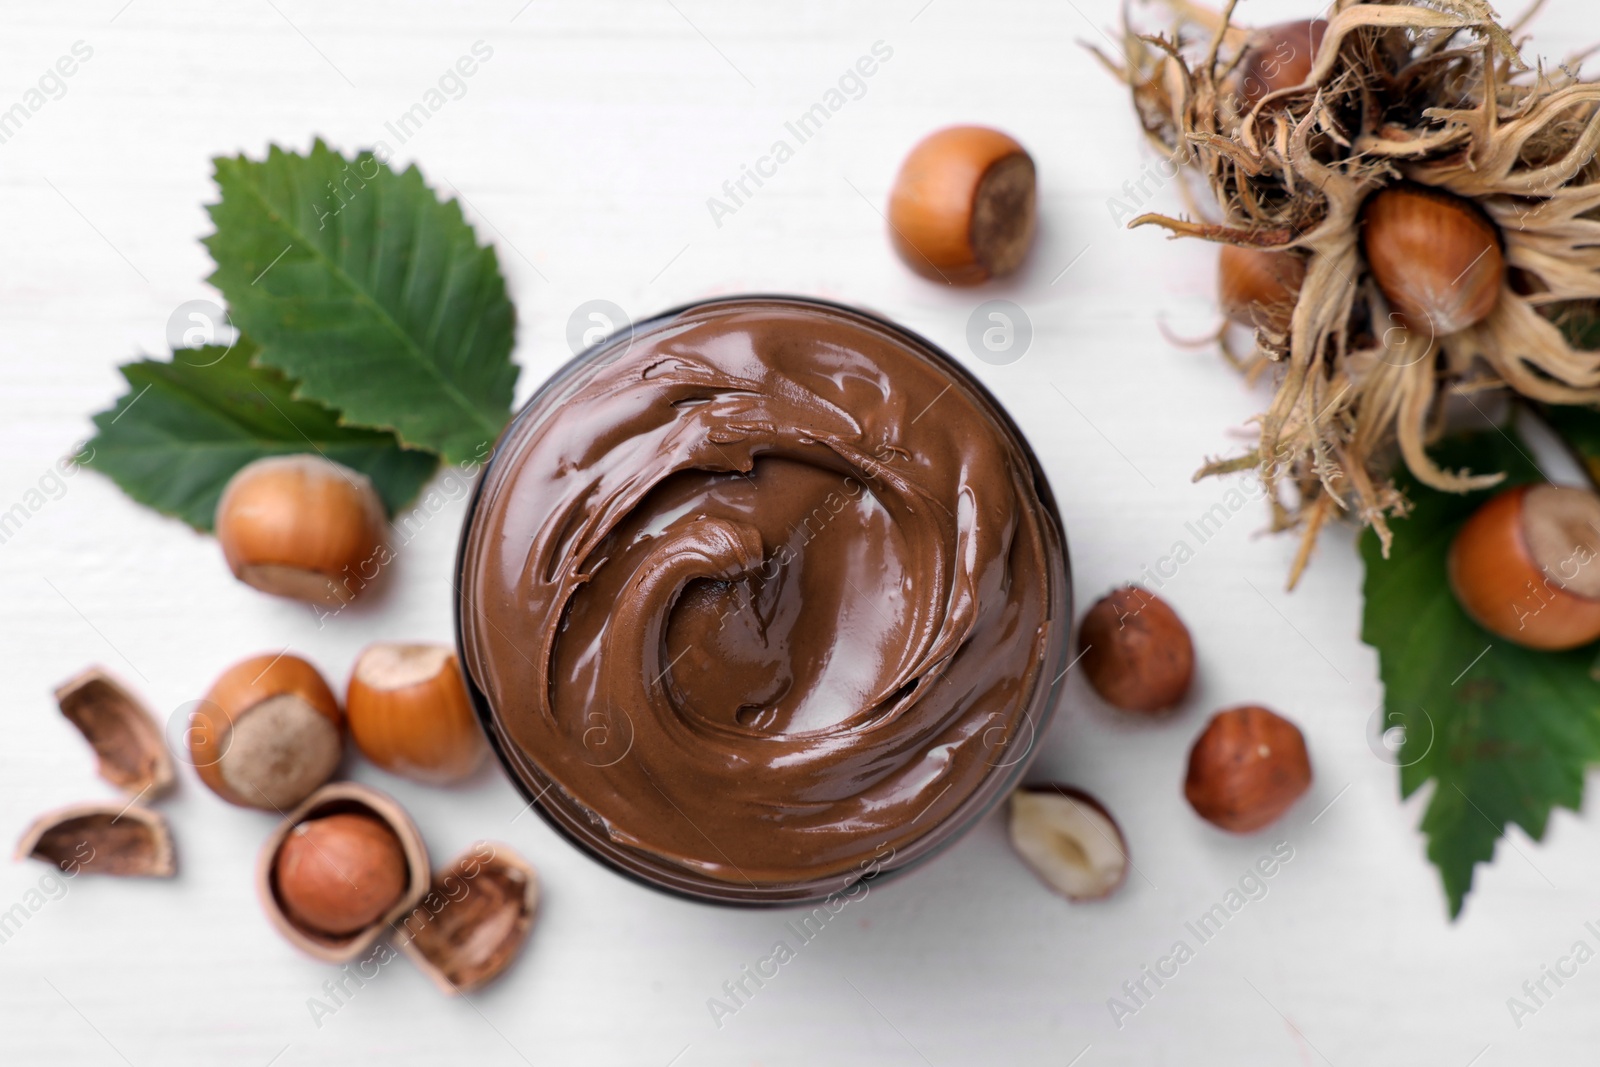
348,865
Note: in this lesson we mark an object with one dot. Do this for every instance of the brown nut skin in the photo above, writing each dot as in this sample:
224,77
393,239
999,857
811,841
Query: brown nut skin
1522,565
409,713
268,732
1246,769
1259,288
964,205
1136,652
339,874
1436,256
1277,57
302,527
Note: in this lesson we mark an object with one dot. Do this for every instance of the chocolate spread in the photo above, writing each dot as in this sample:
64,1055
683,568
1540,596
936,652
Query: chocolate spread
762,594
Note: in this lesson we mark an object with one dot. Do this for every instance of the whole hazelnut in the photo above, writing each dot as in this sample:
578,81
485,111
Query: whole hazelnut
1136,652
311,886
1246,768
963,205
339,874
268,732
409,712
1259,287
1277,57
1526,566
1436,256
302,527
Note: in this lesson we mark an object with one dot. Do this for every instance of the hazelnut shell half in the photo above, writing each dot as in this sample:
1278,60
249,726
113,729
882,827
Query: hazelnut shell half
102,837
334,799
127,743
474,919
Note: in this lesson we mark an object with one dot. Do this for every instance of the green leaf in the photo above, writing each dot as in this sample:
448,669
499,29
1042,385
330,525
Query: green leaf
1504,732
183,428
371,292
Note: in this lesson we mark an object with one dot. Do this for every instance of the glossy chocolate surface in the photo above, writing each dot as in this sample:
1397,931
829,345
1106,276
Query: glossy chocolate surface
764,595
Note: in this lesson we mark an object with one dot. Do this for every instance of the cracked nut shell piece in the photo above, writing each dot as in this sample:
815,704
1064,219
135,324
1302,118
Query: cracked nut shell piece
474,919
127,742
105,837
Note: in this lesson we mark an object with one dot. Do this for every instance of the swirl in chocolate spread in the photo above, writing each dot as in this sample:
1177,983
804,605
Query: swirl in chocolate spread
766,593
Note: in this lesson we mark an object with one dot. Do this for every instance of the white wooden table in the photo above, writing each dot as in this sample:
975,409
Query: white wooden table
586,147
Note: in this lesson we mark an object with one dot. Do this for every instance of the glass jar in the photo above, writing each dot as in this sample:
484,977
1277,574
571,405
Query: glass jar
761,599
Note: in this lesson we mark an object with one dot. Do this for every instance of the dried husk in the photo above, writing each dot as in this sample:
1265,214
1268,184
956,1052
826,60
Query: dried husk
1433,94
